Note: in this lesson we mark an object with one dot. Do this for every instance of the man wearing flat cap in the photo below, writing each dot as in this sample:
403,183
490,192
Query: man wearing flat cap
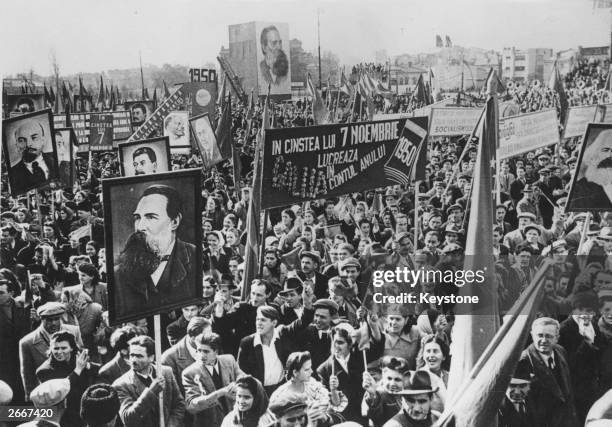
34,347
50,395
290,410
309,273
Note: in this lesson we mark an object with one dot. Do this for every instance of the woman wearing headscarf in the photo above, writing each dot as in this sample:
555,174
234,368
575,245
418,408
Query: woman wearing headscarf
251,404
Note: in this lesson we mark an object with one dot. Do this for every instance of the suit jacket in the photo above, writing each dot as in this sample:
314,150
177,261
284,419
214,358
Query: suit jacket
516,190
22,180
208,409
139,404
588,195
177,330
177,282
250,357
508,416
552,391
112,370
11,331
320,286
178,358
33,349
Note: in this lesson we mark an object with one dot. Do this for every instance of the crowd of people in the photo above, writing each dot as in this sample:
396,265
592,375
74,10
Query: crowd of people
307,346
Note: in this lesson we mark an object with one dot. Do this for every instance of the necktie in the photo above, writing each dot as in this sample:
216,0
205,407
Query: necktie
219,385
551,364
521,408
39,174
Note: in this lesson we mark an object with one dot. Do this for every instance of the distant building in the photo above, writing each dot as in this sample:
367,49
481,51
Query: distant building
524,65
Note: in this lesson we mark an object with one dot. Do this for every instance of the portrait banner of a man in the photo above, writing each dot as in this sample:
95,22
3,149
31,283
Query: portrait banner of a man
66,144
591,188
140,111
145,157
176,129
30,152
153,239
205,139
273,59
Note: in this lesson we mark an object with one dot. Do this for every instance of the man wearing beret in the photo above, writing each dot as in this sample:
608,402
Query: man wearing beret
309,273
34,347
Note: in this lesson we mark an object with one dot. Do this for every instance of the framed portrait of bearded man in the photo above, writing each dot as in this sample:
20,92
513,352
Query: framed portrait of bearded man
591,188
153,238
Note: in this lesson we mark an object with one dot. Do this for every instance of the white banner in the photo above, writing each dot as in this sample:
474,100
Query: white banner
391,116
453,121
577,119
527,132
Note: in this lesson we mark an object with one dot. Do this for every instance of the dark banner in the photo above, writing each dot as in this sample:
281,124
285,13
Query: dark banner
101,132
200,97
308,163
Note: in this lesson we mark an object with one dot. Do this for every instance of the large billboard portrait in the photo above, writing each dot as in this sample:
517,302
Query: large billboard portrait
29,151
145,157
205,139
273,64
153,233
590,190
67,147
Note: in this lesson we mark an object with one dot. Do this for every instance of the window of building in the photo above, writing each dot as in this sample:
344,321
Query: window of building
519,68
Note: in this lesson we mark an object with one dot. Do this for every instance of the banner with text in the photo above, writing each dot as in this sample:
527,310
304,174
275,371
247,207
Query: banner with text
101,132
453,121
122,128
577,119
307,163
527,132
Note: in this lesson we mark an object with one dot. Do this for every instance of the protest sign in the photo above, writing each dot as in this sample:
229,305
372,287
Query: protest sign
101,132
453,121
155,121
307,163
122,128
577,119
527,132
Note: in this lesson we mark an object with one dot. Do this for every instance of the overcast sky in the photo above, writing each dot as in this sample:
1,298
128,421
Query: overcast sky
94,35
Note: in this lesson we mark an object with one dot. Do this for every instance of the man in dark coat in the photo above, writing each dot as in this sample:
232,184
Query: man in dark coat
517,409
155,267
551,384
14,324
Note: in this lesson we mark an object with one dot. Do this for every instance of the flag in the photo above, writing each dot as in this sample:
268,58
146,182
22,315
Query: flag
345,86
66,97
221,95
556,83
107,94
82,94
118,95
154,99
432,91
101,95
80,232
476,324
113,100
146,94
48,99
366,94
477,401
51,94
419,96
166,91
251,249
439,42
224,131
448,42
319,110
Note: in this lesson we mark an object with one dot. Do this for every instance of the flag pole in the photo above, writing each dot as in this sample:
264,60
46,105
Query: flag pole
158,365
417,189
